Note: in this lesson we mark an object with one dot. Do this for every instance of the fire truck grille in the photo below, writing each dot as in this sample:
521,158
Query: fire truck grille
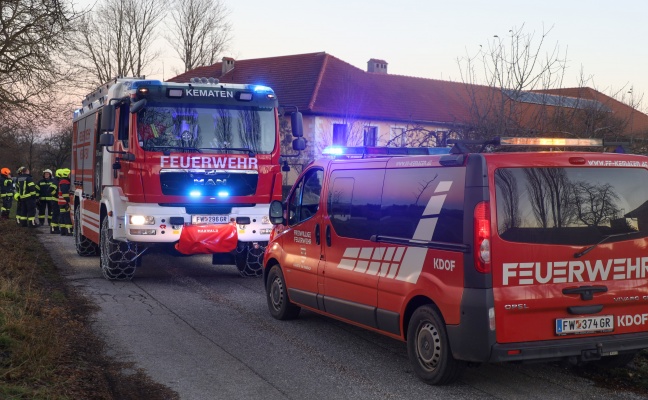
208,183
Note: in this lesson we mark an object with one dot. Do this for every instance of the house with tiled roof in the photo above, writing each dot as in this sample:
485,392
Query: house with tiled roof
346,105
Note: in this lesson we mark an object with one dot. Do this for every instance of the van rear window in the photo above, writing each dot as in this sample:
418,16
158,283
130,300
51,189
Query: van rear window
571,206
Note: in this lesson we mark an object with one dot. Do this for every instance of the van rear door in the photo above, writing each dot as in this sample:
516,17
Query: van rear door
569,248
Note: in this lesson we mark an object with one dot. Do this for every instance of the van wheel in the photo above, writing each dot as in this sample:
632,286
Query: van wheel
277,295
618,361
117,258
249,261
84,246
429,350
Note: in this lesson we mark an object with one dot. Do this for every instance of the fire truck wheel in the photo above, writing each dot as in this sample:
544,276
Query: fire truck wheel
117,258
618,361
429,350
84,246
249,260
276,293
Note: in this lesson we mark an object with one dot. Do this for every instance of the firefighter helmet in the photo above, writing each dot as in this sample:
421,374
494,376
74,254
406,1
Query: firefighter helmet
47,171
5,171
63,173
20,170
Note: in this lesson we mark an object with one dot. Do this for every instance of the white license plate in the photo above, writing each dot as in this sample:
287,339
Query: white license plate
209,219
582,325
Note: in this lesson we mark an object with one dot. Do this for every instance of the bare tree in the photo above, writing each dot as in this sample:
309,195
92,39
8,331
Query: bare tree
32,38
116,39
56,150
514,88
200,31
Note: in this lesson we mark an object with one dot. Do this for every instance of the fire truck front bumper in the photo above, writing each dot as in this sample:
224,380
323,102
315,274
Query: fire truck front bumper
155,224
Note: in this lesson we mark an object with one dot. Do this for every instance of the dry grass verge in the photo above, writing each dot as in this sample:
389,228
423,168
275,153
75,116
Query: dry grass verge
47,348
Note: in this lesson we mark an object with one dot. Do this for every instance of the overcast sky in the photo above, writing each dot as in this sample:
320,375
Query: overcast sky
424,38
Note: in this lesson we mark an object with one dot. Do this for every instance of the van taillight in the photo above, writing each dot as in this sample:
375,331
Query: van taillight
482,231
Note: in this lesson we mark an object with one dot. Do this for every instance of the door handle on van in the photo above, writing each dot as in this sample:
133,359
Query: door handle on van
586,292
317,234
328,235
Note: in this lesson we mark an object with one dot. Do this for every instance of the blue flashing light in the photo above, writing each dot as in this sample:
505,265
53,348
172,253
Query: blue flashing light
223,193
263,89
333,151
153,82
195,193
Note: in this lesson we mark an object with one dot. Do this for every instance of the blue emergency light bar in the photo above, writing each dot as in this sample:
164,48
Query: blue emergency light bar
362,151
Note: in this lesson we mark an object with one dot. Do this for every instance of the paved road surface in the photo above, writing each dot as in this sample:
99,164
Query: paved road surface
205,332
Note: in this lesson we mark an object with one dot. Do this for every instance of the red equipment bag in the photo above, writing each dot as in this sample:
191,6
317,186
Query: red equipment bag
207,239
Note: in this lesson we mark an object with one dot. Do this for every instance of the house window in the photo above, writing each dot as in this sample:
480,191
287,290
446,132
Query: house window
398,137
370,136
339,134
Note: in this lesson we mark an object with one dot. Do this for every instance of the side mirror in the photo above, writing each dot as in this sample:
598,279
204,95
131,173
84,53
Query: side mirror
108,118
106,139
276,213
299,144
137,106
297,123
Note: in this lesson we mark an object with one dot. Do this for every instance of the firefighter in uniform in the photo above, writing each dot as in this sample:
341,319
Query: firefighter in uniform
65,221
16,196
46,197
6,192
26,194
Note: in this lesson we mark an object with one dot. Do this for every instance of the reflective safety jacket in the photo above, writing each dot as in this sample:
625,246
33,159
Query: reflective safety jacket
6,186
25,187
63,192
47,189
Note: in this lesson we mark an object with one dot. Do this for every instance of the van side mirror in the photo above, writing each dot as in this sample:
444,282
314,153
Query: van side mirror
297,123
108,118
106,139
276,213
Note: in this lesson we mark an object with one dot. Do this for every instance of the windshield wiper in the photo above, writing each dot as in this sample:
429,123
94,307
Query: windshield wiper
250,152
167,149
590,248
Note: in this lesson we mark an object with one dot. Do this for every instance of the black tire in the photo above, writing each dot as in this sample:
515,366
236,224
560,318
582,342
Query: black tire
618,361
249,260
429,349
117,258
279,304
84,246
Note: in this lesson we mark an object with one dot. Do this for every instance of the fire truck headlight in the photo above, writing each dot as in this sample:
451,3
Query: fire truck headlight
223,193
142,220
265,220
195,193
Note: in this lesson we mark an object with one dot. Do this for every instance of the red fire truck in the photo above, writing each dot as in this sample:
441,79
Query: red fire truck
193,165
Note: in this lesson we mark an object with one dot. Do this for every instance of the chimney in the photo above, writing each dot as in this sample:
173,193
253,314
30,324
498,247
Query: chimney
377,66
227,65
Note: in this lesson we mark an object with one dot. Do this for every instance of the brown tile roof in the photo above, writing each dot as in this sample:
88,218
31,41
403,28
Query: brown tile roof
320,83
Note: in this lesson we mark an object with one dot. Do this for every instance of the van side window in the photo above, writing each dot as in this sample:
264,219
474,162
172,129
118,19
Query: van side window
354,202
304,201
424,204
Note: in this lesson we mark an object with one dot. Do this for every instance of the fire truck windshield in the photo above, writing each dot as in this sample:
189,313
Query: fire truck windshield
206,128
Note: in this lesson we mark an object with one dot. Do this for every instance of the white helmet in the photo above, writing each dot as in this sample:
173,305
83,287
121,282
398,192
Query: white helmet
48,171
